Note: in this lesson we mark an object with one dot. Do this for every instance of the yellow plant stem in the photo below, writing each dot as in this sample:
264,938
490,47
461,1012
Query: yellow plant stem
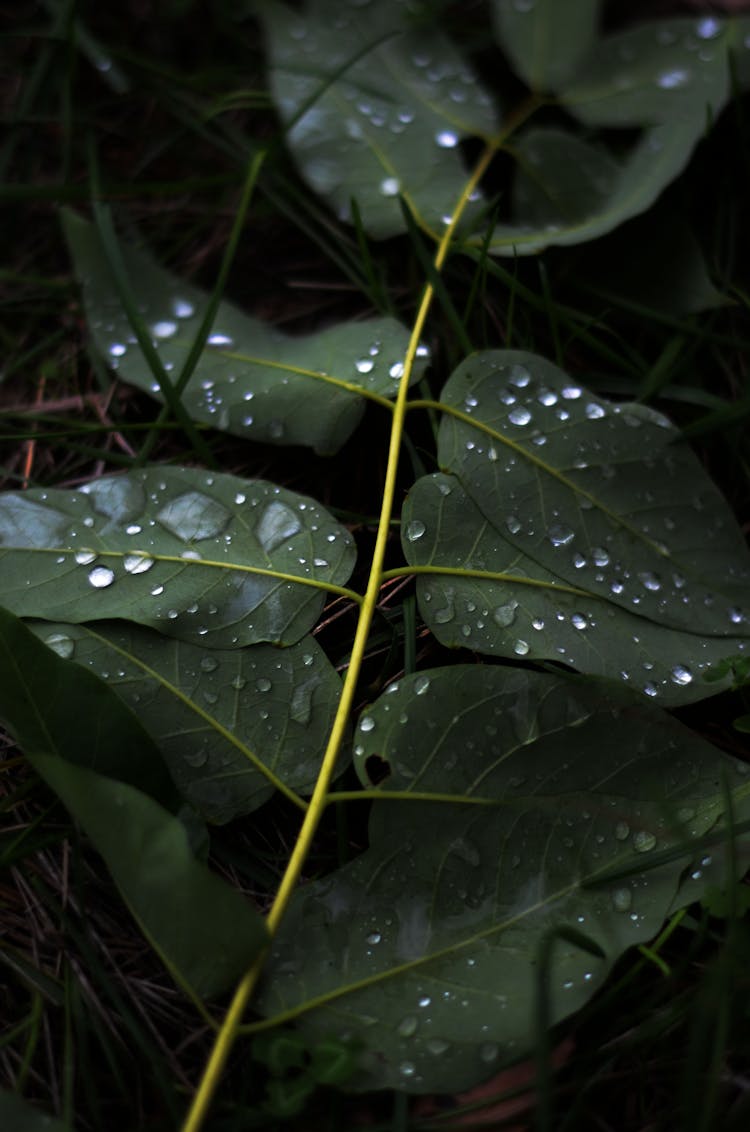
229,1029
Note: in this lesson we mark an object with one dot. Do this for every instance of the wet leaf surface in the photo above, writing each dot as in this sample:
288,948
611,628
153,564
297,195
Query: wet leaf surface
426,948
173,549
620,556
227,722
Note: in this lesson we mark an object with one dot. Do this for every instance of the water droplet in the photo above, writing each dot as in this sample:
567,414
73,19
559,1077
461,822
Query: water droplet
643,841
681,675
408,1026
520,415
537,623
164,329
183,308
101,577
263,684
571,392
559,535
622,830
415,529
277,524
594,411
708,28
61,644
578,621
651,581
396,370
443,616
650,688
219,341
364,365
374,938
366,723
437,1046
421,684
85,557
137,563
407,1069
193,516
622,898
505,615
446,139
513,523
209,664
117,349
547,397
520,648
424,1000
489,1052
600,556
390,186
673,80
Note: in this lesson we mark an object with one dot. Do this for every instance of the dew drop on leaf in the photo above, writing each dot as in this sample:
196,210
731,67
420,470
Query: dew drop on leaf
164,329
505,615
209,664
101,577
61,644
559,535
277,524
622,830
263,684
519,416
421,684
643,841
415,529
194,516
137,563
681,675
366,723
446,139
622,898
489,1052
85,557
520,648
182,308
408,1026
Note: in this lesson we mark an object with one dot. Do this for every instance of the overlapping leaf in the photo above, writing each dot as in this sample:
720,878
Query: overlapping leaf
92,750
377,102
425,950
615,552
546,40
175,549
251,379
229,723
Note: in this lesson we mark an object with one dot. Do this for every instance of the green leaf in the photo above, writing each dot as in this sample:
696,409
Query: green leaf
376,102
544,39
17,1115
615,553
176,549
252,380
229,723
51,706
426,947
203,930
568,190
668,71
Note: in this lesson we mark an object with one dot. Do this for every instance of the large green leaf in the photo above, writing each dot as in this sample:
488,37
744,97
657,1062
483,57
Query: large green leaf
228,722
251,379
544,39
376,102
202,929
614,552
51,706
175,549
666,71
68,722
426,949
568,190
668,77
